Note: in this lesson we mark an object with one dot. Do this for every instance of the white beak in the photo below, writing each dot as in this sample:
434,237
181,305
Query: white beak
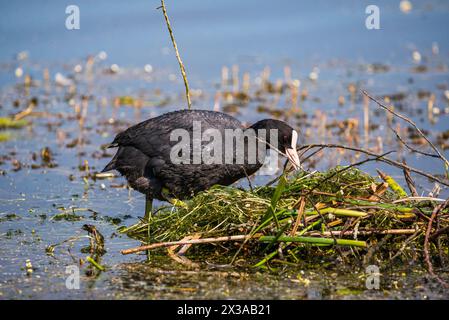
292,154
293,157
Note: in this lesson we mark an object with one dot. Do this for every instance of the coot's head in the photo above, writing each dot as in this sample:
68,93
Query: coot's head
287,139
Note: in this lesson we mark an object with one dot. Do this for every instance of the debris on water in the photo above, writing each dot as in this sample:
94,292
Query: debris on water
420,69
22,55
18,72
62,80
9,217
148,68
29,267
5,136
16,165
314,74
378,68
395,96
435,48
78,68
405,6
102,55
67,216
423,94
124,101
70,214
446,94
114,68
416,56
97,239
10,123
46,155
95,264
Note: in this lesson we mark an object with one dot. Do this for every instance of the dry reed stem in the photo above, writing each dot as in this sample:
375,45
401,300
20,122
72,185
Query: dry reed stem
379,158
410,182
426,241
440,155
302,205
364,232
181,64
193,241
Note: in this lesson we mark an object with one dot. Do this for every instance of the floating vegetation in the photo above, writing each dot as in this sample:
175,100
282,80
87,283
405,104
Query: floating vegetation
10,123
340,215
5,136
9,217
70,214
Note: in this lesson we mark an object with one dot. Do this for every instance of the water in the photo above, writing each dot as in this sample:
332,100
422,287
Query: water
250,34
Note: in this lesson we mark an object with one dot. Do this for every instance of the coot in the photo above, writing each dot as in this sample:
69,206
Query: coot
173,156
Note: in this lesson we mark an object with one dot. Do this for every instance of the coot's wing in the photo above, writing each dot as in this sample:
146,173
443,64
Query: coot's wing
185,180
152,137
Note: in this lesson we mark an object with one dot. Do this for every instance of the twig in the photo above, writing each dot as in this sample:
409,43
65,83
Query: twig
419,199
180,258
302,204
380,158
327,227
248,179
95,263
311,155
397,189
380,104
315,240
181,65
411,148
364,232
426,241
193,241
404,245
439,232
186,247
409,180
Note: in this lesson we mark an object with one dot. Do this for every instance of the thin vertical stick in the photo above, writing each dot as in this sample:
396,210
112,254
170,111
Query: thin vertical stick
409,121
224,77
426,242
246,83
302,204
366,117
181,65
148,216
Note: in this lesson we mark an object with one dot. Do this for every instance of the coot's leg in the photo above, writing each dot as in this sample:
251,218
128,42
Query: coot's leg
147,218
148,207
173,201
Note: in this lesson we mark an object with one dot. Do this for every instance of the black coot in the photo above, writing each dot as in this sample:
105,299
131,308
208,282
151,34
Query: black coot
145,153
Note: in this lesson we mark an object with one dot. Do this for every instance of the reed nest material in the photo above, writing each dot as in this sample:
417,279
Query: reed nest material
341,214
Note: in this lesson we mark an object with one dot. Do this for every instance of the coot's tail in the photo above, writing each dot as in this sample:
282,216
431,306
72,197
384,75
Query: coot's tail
129,161
113,164
110,166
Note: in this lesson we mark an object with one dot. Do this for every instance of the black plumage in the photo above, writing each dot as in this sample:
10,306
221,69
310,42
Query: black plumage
143,154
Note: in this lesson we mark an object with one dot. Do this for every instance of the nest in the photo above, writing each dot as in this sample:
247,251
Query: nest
341,214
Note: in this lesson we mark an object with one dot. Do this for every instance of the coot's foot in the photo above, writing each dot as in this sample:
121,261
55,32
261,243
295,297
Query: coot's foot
176,202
